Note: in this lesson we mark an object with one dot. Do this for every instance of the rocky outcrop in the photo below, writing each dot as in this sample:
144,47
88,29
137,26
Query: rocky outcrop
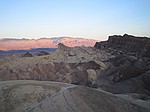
131,63
42,53
27,54
138,46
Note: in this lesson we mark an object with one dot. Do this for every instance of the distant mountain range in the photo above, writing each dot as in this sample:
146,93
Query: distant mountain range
27,44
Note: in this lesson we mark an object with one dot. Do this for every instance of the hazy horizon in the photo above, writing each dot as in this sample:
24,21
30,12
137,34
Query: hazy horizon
93,19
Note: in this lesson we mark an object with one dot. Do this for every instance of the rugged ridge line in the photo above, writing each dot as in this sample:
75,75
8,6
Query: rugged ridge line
138,46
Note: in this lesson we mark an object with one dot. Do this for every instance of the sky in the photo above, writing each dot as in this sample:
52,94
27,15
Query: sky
96,19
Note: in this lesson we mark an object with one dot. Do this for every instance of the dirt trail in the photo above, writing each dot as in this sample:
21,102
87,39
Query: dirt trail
64,88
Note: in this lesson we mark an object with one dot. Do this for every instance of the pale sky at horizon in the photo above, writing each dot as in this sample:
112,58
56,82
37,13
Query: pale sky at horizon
95,19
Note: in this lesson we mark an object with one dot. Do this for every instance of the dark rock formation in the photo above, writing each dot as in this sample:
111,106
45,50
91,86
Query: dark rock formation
139,46
128,70
27,54
42,53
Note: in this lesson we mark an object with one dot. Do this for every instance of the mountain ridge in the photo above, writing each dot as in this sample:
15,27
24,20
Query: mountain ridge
27,44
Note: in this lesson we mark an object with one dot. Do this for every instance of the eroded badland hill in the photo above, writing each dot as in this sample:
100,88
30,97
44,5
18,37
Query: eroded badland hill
114,74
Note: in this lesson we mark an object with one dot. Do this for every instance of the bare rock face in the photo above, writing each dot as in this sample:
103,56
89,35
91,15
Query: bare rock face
46,96
63,72
128,69
138,46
